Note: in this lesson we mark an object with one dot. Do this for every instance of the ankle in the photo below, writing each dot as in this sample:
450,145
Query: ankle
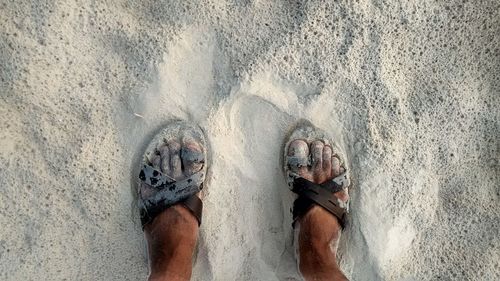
320,265
318,234
171,240
171,263
167,276
319,228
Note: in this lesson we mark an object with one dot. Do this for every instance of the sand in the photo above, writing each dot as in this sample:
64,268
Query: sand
410,89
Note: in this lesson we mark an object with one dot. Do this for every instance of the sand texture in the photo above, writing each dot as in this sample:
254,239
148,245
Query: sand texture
410,90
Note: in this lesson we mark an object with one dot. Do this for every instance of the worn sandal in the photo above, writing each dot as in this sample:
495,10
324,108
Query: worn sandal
156,190
310,193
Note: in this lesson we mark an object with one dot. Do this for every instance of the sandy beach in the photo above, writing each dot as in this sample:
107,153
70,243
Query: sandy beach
409,89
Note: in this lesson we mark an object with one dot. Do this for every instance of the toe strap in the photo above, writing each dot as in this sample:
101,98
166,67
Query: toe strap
320,194
169,192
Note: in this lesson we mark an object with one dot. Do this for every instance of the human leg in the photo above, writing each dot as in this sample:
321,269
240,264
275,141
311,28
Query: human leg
174,164
319,230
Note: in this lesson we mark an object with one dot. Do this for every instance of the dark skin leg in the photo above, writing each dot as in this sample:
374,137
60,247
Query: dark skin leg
318,228
173,234
171,240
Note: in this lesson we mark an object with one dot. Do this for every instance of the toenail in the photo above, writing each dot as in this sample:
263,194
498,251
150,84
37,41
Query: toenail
163,149
174,146
317,144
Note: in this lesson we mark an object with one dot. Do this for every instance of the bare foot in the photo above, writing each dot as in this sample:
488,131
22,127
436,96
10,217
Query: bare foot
319,229
172,235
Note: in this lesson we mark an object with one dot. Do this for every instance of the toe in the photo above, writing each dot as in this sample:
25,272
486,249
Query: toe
175,160
335,166
165,159
155,159
298,155
191,156
317,156
327,160
343,195
341,170
337,170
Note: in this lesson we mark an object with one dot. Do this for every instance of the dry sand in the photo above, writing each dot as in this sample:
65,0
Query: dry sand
411,89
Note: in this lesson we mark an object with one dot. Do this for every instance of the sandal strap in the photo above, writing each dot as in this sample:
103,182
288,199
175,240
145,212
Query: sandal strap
320,194
194,204
169,192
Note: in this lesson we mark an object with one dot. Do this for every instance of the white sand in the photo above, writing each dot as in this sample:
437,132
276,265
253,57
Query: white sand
411,90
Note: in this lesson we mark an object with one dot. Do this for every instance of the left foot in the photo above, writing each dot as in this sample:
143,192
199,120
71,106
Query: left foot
172,234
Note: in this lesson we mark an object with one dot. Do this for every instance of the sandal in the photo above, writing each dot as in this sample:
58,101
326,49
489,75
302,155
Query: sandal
156,190
310,193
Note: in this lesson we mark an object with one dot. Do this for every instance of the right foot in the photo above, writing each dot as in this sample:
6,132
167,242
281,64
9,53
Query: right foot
319,229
